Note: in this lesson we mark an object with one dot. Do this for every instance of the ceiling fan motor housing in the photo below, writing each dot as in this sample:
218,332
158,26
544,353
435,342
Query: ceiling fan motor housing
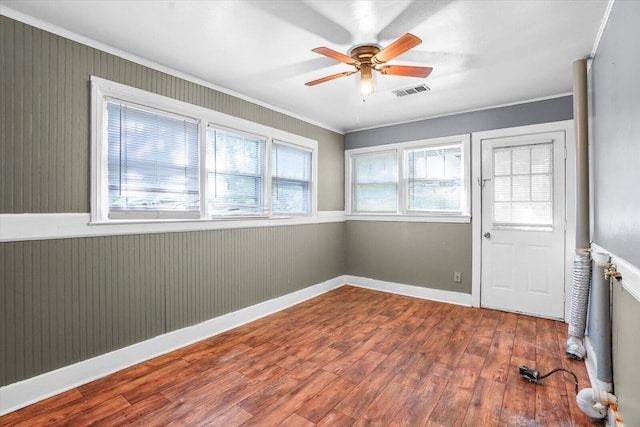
364,53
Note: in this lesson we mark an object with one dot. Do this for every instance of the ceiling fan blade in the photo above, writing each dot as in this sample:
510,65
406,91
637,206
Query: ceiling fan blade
335,55
405,70
396,48
331,77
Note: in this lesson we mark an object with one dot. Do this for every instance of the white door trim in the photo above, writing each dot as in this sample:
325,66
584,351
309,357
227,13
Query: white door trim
476,202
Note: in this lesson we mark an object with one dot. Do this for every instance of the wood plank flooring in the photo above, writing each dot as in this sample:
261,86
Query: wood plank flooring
350,357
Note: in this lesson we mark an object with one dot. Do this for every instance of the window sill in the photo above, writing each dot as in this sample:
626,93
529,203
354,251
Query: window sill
456,219
212,218
21,227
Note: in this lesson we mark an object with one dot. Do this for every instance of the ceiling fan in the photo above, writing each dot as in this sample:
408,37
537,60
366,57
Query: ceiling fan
368,57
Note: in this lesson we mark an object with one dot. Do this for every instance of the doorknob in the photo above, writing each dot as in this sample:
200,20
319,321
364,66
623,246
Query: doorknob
487,235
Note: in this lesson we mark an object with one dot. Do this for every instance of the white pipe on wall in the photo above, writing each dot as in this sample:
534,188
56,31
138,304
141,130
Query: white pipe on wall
594,402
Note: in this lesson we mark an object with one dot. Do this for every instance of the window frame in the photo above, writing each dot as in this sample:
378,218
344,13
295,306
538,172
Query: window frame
264,141
403,212
311,181
103,91
125,214
364,153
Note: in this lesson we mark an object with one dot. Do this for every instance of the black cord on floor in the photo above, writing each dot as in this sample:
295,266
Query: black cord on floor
534,376
565,370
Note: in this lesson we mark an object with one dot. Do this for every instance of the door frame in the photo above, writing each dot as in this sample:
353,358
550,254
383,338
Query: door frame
565,126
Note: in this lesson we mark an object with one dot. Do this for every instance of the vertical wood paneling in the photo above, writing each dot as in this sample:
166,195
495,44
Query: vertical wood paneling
67,300
45,119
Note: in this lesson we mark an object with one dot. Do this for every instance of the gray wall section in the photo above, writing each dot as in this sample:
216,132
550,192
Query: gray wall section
420,254
427,254
615,174
551,110
616,134
63,301
44,120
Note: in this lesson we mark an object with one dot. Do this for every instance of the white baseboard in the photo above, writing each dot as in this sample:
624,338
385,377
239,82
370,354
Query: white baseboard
18,395
457,298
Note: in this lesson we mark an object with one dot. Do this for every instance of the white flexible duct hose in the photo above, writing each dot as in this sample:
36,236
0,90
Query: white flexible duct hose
578,309
594,402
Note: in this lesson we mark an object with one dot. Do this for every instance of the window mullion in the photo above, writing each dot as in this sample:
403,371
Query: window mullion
403,186
268,177
204,182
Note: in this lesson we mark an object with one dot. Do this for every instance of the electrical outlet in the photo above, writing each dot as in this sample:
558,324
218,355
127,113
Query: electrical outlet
457,277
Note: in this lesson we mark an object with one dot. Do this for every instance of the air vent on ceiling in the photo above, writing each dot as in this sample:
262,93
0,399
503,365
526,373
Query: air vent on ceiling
412,90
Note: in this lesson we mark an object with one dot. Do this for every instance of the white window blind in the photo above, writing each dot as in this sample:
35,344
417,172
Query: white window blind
523,186
375,182
235,172
290,178
434,179
152,161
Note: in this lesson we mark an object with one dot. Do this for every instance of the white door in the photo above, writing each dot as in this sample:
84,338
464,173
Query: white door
523,224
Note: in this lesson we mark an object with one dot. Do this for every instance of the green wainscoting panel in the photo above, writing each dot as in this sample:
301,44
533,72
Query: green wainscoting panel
66,300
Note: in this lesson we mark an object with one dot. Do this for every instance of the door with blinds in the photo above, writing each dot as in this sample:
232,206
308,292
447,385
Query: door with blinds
523,224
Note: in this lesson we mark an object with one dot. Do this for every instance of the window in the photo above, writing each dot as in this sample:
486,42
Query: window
235,172
291,171
426,180
434,181
523,186
375,182
158,158
152,162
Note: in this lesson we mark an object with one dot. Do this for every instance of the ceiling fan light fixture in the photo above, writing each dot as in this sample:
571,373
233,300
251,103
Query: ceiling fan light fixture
366,80
366,58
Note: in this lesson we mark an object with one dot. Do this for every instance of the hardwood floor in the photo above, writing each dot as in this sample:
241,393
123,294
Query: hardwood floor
349,357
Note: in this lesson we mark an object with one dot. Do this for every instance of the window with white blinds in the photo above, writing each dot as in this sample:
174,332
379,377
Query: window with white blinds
157,158
425,179
434,179
523,186
235,172
152,162
375,182
291,174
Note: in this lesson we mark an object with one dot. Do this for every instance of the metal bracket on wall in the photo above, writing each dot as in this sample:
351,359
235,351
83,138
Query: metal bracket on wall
611,272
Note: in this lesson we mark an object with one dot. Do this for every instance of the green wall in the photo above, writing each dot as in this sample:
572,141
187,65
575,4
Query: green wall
66,300
44,120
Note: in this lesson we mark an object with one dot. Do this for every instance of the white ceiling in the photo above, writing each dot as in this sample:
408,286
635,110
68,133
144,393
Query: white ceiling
484,52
